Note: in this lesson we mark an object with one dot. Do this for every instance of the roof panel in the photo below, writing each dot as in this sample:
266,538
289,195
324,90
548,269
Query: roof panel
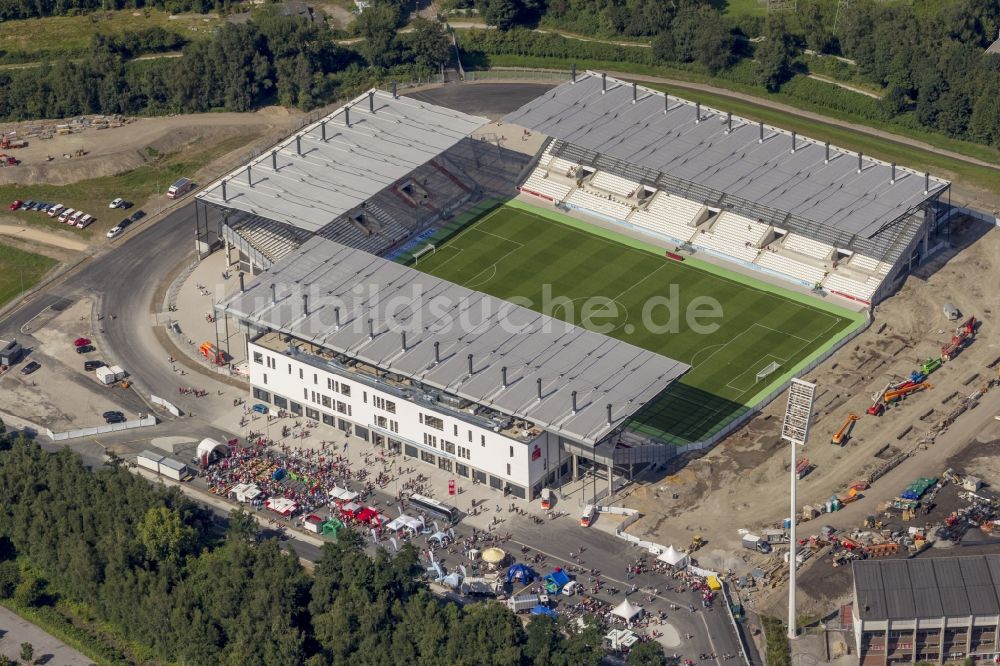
375,301
308,180
599,115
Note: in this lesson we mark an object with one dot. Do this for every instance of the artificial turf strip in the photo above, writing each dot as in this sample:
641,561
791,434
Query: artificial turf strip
515,253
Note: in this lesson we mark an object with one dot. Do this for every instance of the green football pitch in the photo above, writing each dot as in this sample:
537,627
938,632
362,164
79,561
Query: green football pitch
557,265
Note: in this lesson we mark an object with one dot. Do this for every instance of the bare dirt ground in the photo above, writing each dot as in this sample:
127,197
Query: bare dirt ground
39,240
743,482
119,149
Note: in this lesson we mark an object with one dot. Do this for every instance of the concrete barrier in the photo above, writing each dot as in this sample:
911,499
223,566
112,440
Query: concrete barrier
100,430
169,406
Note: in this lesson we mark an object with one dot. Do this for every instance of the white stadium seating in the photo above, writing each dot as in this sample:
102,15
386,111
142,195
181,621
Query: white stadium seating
869,264
540,183
599,204
669,215
614,184
546,157
808,246
730,235
563,167
861,290
790,267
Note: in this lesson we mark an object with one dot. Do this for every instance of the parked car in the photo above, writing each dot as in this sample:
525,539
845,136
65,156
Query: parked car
137,215
84,221
115,232
114,417
75,218
79,342
54,210
30,368
116,203
28,205
66,214
16,204
126,205
85,349
90,366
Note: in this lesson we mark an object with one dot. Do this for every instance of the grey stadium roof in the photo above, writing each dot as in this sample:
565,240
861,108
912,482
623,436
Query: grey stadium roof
664,134
928,588
395,298
332,176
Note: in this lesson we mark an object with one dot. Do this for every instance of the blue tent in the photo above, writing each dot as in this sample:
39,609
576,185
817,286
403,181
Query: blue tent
521,572
544,610
555,581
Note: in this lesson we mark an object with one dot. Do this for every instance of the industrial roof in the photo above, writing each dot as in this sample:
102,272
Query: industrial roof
370,295
692,142
308,180
928,588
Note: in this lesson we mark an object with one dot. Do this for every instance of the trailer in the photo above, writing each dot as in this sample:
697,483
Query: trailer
149,460
118,372
174,469
105,375
525,602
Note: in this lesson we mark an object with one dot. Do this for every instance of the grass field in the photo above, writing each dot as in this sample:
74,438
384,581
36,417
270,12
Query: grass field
17,265
520,252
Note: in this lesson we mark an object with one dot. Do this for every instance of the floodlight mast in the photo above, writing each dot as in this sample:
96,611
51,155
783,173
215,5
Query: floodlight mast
795,430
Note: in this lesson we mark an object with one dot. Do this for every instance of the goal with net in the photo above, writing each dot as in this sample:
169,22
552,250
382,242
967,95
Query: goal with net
767,370
426,250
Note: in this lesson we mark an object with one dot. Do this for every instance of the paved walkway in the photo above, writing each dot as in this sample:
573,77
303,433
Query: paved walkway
15,630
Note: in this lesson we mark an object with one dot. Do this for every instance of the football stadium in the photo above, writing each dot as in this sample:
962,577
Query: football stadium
671,267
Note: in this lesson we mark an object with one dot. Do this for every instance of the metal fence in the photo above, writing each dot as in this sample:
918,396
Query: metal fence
169,406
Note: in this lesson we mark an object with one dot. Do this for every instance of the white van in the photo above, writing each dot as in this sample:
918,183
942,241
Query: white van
587,517
180,188
75,217
66,214
55,210
84,221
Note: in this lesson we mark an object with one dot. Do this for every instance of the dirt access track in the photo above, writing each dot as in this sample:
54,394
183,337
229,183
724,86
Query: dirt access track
115,150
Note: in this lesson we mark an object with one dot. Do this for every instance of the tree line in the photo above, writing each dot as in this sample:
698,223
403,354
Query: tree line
929,58
272,59
21,9
153,565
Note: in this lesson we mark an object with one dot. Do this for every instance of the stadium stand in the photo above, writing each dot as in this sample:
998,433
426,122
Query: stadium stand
540,184
670,216
808,247
601,205
869,264
859,289
564,167
734,235
797,270
614,184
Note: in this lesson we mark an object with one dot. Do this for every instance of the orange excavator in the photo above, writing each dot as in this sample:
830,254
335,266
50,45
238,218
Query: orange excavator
843,434
897,394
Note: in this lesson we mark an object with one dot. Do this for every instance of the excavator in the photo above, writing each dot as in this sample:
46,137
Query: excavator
843,434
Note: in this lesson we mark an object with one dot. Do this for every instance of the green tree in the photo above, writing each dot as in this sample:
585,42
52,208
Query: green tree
27,652
773,55
377,25
649,653
428,43
500,13
164,536
242,526
10,576
30,592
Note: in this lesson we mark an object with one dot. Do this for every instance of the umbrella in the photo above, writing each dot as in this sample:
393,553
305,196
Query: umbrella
493,555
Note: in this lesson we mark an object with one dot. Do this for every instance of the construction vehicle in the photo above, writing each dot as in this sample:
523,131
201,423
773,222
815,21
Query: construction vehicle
842,434
7,160
8,143
696,543
898,394
962,337
930,365
878,401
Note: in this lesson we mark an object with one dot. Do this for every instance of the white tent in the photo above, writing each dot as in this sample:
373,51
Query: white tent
673,557
396,524
626,611
210,449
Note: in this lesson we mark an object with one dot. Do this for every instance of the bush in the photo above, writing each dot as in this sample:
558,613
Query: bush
10,577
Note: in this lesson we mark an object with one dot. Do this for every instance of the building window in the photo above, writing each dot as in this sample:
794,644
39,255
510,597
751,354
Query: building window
382,403
462,470
428,457
381,421
409,450
305,394
364,397
470,435
479,476
265,378
456,430
280,402
433,422
258,357
511,455
464,453
289,368
430,440
295,407
449,447
302,375
482,440
312,414
496,482
345,390
508,469
341,407
444,464
394,426
261,394
330,384
326,401
516,491
327,419
361,432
